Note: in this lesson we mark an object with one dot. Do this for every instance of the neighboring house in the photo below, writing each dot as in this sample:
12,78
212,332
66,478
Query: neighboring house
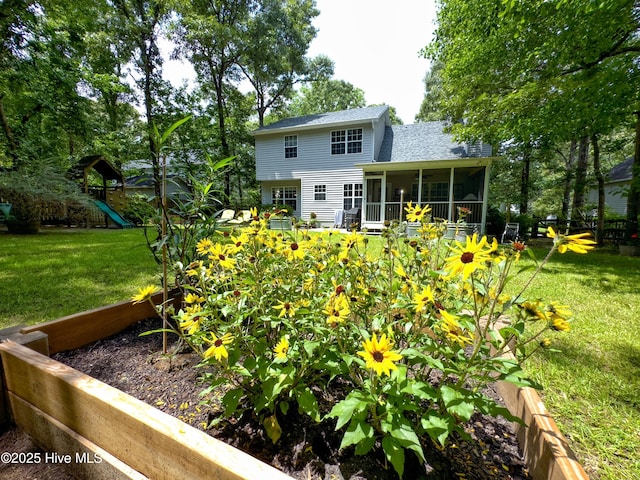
616,188
333,162
144,184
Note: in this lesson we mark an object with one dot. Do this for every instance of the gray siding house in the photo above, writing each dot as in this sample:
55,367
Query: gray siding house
333,162
616,188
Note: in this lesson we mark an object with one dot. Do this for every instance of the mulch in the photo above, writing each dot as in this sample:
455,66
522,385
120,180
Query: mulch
306,450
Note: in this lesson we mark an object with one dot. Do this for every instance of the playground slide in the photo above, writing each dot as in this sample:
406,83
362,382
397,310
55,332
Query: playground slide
113,215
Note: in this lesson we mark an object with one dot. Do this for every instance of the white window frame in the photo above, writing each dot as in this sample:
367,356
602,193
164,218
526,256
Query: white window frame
352,194
285,195
319,192
346,141
290,146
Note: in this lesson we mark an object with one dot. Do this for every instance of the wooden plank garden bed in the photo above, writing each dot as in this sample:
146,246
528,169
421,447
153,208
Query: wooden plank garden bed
113,435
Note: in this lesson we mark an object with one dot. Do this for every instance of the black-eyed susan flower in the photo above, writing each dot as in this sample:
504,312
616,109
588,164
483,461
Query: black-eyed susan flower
219,254
217,348
193,298
533,310
471,256
451,327
144,294
337,309
287,309
423,298
282,348
378,354
203,246
416,213
576,243
190,319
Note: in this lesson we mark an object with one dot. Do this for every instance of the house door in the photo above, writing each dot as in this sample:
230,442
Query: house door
373,209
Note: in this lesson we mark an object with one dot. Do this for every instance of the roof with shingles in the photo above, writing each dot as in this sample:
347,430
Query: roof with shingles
328,119
621,171
420,141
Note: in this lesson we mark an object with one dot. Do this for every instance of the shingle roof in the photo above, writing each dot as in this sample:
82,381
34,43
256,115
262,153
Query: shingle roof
327,119
621,172
421,141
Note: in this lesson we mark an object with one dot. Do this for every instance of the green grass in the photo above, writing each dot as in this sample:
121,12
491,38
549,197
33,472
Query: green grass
63,271
591,387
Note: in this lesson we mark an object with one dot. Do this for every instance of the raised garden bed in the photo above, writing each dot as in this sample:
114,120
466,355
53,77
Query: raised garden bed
67,411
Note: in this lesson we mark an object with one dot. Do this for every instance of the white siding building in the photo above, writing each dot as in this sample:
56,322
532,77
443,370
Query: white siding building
333,162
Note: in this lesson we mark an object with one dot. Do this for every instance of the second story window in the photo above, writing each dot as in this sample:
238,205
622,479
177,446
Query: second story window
291,146
346,141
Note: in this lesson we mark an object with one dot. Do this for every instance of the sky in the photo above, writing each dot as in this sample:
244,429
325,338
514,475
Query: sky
374,45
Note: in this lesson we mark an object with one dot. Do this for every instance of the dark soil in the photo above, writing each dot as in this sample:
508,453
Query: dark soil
306,450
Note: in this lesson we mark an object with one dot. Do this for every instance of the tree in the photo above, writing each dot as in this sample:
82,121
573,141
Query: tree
538,72
430,108
326,96
273,59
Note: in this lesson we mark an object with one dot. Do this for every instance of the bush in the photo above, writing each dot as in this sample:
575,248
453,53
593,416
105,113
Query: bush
410,334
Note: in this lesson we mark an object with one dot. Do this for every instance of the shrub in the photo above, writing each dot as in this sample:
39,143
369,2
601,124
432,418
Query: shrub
404,338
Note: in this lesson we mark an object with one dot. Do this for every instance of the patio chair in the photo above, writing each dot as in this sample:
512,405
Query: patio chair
511,233
224,216
244,216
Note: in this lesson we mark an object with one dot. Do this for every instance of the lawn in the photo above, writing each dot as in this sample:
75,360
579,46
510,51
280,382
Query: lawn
63,271
591,385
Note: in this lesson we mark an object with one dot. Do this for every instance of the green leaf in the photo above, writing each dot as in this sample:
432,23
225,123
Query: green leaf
231,400
357,432
308,403
394,453
363,447
272,427
437,426
407,437
456,402
172,128
344,410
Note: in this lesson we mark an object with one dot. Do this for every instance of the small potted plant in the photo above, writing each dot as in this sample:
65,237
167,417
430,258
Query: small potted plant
280,217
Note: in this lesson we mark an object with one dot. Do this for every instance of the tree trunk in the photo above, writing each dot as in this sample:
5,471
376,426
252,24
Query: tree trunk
568,179
581,182
633,200
600,178
524,180
8,132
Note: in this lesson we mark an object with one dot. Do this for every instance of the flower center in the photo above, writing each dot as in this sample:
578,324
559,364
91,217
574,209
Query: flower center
294,246
221,257
378,356
466,257
218,343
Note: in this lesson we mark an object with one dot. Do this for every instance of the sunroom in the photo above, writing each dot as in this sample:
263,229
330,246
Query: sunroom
455,190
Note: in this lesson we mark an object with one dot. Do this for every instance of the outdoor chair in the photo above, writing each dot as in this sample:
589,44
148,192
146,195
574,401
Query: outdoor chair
224,216
243,217
511,232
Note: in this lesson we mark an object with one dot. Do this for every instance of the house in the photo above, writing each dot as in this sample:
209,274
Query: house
333,162
616,187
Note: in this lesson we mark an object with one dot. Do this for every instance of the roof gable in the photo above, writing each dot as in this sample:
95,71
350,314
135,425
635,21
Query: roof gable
329,119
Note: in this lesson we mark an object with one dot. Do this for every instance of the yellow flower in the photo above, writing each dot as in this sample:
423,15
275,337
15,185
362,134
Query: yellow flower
453,330
558,317
378,354
190,319
417,213
282,348
337,309
286,309
220,254
193,298
144,294
576,243
421,299
203,246
470,257
217,348
533,309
